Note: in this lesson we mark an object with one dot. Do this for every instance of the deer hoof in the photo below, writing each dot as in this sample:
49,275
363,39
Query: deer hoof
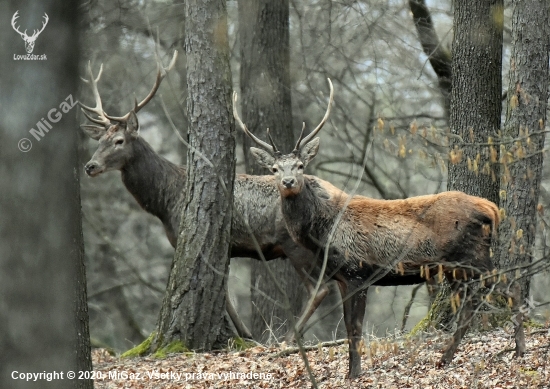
519,353
441,363
353,375
290,338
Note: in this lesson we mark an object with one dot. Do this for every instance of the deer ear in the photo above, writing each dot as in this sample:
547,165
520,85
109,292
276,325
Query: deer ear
94,132
132,124
309,151
263,158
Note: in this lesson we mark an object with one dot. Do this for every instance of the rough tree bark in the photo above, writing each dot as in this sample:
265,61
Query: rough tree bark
475,106
476,95
525,118
43,307
266,102
192,314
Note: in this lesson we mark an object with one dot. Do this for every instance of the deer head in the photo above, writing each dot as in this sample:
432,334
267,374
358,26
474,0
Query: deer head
289,168
29,40
116,135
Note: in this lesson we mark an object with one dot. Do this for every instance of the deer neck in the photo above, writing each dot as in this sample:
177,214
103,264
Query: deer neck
157,184
309,215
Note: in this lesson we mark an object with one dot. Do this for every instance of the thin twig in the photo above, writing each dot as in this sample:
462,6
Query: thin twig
294,350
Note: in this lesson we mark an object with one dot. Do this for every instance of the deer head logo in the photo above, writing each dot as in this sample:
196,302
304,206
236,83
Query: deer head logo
29,40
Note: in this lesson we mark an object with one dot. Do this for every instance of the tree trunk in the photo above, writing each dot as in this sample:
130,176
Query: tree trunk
192,314
476,91
43,307
476,95
266,102
525,119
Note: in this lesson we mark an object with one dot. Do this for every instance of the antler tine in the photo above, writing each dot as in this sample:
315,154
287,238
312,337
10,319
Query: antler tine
258,141
13,23
44,23
301,136
98,109
161,73
325,118
272,142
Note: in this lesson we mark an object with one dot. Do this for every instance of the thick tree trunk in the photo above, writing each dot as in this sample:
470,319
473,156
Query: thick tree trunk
194,304
476,95
476,91
525,119
43,307
266,102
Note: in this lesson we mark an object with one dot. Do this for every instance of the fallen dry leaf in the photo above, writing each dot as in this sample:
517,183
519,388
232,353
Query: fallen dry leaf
481,362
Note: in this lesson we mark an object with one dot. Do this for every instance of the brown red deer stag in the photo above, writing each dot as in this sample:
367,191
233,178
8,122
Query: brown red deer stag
159,187
384,242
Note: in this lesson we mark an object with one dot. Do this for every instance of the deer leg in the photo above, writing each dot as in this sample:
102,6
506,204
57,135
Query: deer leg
514,292
519,333
306,313
241,328
304,261
464,320
358,305
354,312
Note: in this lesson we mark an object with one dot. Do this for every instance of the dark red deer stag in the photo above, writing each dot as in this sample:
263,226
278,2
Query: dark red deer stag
384,242
159,187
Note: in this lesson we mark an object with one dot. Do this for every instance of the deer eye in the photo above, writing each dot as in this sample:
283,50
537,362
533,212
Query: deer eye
301,166
119,142
274,169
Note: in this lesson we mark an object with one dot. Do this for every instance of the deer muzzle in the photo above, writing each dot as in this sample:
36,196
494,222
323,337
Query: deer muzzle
92,169
288,182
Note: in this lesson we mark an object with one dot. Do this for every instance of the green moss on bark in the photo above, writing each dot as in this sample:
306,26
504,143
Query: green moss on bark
440,309
145,348
141,349
240,344
176,347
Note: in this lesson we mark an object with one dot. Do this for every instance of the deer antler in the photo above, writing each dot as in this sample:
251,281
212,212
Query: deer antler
161,73
24,34
37,32
104,119
272,142
323,121
258,141
98,109
13,19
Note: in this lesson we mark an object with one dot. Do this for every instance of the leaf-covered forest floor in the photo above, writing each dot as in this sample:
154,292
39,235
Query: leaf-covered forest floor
483,360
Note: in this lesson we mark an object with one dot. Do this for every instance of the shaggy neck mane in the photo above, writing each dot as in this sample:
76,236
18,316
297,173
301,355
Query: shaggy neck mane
156,183
311,210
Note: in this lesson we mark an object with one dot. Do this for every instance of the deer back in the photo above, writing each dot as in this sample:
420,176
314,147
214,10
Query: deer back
414,232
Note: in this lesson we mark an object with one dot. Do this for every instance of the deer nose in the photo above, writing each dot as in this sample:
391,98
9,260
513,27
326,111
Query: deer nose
90,167
289,182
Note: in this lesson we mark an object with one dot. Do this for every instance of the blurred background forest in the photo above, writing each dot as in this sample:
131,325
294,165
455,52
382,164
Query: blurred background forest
386,92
